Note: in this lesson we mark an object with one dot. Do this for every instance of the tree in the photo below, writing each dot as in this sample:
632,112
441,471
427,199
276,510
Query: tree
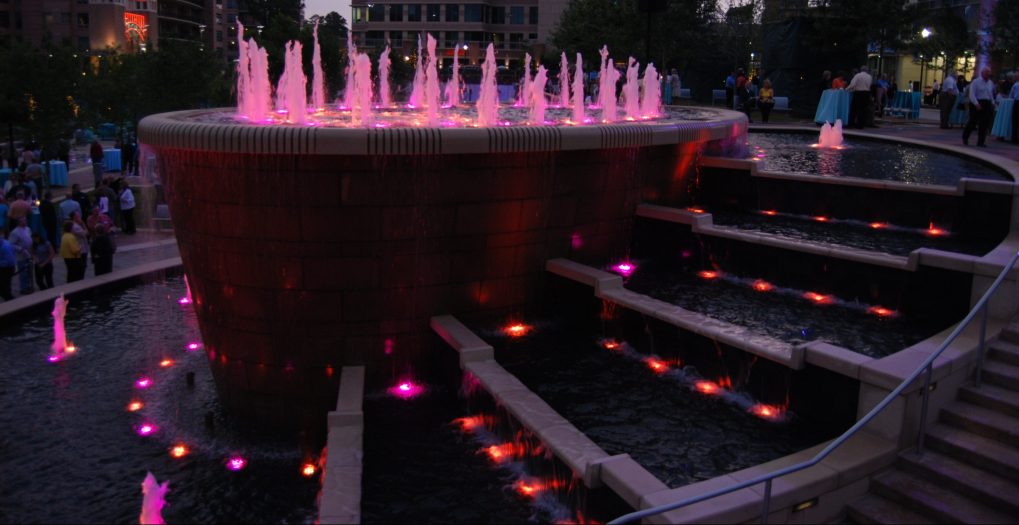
265,10
949,38
1006,30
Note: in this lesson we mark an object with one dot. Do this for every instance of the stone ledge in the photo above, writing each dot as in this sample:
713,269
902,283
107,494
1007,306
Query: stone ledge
835,358
628,479
340,500
470,347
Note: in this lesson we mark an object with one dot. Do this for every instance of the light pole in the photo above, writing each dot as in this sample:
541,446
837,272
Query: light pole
201,36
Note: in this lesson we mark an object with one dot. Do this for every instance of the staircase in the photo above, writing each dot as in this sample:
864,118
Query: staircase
969,471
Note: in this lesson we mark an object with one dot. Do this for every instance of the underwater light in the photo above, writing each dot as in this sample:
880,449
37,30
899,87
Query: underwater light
179,451
143,382
166,363
135,406
517,330
706,387
763,286
657,365
406,390
308,470
707,274
236,463
146,429
625,268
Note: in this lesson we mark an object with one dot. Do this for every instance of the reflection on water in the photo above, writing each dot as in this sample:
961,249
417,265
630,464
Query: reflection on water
868,159
71,449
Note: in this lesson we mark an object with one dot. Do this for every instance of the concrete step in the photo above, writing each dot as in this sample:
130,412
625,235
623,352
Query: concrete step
972,482
1011,332
933,500
981,452
1005,351
983,421
872,509
1000,373
993,397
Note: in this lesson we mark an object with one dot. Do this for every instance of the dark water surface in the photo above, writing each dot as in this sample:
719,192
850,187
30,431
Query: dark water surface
868,159
69,452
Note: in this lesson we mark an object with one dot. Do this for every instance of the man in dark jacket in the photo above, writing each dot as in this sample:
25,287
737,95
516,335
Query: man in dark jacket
97,156
102,250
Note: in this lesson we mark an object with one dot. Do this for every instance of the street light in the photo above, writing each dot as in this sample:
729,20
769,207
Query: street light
926,33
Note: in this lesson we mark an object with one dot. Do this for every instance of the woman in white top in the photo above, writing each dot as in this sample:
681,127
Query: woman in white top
127,208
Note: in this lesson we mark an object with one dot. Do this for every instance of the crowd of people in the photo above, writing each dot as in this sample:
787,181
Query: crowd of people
78,228
745,93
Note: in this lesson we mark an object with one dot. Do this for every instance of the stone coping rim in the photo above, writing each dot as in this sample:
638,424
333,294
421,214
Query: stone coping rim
174,130
1009,167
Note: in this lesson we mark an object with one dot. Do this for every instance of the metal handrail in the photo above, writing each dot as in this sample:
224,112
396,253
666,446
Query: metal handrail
926,366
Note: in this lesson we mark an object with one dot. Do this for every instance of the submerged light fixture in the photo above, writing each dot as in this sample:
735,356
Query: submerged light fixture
406,390
517,330
236,463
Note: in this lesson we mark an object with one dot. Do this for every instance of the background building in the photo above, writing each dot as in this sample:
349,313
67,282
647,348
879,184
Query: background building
515,27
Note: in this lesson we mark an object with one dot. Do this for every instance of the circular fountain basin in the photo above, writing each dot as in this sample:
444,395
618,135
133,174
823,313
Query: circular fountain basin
311,247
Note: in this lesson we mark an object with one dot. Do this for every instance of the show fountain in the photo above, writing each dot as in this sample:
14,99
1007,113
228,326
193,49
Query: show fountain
317,237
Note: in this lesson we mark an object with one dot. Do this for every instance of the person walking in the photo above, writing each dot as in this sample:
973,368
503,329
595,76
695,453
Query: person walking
946,100
70,251
859,107
102,251
43,255
21,240
96,154
7,264
981,103
127,208
766,100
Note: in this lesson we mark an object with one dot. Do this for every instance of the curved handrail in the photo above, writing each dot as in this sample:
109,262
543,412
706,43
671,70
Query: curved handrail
767,478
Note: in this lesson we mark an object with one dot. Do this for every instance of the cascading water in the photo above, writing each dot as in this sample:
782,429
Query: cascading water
524,97
538,102
417,92
631,90
153,500
384,63
578,91
564,81
453,86
651,104
348,89
318,91
488,98
432,95
361,111
607,87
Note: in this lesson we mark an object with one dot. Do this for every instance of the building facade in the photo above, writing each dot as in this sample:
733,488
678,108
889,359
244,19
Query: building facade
127,25
514,27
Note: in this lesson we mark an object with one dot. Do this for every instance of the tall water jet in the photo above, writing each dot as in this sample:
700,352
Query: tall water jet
651,103
830,136
578,91
243,72
631,90
417,92
318,90
153,500
292,92
361,108
259,95
59,332
488,98
538,102
564,82
607,87
453,86
348,88
384,63
432,95
524,97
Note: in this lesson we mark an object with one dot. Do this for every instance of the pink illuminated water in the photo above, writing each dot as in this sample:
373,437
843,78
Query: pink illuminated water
384,64
407,390
348,88
431,83
625,268
453,86
578,91
143,382
651,104
146,429
831,136
292,90
318,90
564,81
631,90
361,103
153,500
607,87
538,102
236,463
193,346
59,332
417,92
488,98
524,97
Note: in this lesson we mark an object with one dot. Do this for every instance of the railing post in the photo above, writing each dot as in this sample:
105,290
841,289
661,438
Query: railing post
923,409
767,502
980,353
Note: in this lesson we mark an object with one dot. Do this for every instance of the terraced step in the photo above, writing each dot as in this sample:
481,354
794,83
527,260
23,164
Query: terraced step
1011,333
975,483
985,422
1001,374
1005,351
993,397
935,501
872,509
981,452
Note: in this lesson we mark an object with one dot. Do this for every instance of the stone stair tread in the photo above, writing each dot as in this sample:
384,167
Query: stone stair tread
875,509
978,450
1005,351
1008,373
950,472
986,422
992,396
938,502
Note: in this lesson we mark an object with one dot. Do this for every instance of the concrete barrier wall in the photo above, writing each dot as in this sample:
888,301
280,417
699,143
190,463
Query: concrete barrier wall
340,500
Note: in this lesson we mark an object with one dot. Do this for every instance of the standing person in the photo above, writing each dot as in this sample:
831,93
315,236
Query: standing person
946,100
676,85
97,218
766,100
67,207
859,107
127,208
95,153
107,200
981,103
881,95
741,93
102,251
839,82
50,220
42,257
7,263
129,154
82,198
80,231
21,240
19,209
730,90
70,251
